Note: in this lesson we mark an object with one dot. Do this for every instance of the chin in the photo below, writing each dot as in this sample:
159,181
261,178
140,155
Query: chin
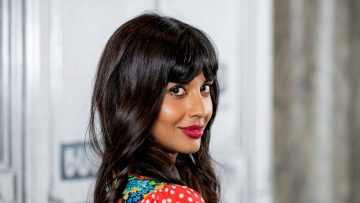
192,150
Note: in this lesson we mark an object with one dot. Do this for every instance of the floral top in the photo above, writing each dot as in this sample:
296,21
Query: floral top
141,189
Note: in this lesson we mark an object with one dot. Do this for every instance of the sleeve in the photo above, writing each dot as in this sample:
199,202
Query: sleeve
173,194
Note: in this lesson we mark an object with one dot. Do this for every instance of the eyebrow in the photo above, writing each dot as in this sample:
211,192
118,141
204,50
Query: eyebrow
204,82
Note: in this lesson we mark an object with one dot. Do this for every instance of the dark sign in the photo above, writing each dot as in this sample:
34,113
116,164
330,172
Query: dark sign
74,162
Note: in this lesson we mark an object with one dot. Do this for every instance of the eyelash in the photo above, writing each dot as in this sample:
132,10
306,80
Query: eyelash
177,87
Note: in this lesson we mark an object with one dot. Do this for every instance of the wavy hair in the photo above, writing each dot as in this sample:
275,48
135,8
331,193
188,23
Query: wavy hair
139,60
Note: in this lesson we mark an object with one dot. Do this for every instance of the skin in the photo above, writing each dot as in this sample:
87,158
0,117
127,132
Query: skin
183,106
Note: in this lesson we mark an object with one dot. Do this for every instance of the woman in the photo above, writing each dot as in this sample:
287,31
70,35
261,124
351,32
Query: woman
154,100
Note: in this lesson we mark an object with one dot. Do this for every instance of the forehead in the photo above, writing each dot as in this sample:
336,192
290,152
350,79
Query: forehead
199,78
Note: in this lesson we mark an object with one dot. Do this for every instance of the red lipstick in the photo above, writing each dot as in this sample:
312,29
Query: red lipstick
193,131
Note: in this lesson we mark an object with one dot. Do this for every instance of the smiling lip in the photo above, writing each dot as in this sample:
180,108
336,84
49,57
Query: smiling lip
193,131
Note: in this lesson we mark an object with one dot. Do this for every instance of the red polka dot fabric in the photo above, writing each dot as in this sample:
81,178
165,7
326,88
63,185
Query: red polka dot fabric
173,194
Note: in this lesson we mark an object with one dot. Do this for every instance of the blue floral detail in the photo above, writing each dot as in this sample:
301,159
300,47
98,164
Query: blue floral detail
138,187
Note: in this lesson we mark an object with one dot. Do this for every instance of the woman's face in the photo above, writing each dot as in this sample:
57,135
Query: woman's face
185,111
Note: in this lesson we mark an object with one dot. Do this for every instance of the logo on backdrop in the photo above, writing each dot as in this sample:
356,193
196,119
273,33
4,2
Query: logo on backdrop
74,162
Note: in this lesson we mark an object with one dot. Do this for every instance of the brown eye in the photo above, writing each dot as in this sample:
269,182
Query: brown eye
177,91
205,89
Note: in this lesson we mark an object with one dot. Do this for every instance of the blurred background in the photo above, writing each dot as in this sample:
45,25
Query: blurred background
288,127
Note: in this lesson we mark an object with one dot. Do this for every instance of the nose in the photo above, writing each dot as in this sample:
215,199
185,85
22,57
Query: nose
199,106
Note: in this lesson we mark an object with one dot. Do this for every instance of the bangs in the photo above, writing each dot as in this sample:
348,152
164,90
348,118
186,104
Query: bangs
195,55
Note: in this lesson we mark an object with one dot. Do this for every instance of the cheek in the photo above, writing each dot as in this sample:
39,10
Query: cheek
209,108
170,113
169,116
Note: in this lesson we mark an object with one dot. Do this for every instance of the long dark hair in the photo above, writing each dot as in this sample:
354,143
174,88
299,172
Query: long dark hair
140,58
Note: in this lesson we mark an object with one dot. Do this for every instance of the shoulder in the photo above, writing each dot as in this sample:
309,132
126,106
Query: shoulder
172,193
147,190
138,187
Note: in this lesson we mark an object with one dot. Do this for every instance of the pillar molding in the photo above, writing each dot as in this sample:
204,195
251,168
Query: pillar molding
316,101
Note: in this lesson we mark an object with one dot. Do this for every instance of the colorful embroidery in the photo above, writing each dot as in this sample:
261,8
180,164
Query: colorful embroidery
138,187
147,190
